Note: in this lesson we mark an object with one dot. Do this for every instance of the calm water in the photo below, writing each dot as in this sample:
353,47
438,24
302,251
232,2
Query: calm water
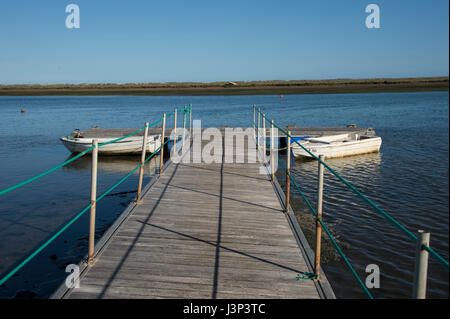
409,178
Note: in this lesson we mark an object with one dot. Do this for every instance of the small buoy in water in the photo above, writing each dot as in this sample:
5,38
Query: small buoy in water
22,110
281,96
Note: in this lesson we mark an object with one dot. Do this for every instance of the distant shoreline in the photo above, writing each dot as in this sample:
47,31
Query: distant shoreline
236,88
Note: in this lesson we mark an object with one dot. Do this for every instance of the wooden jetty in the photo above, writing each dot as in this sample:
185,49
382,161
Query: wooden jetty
204,231
97,132
217,225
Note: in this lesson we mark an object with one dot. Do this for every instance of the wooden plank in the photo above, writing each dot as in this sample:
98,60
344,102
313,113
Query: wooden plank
202,231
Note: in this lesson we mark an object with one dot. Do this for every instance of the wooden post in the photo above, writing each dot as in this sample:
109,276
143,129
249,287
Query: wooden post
272,151
175,129
264,137
93,201
288,171
319,216
161,152
141,170
421,265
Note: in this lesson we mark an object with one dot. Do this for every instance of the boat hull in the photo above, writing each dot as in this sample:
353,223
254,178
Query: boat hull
369,145
129,145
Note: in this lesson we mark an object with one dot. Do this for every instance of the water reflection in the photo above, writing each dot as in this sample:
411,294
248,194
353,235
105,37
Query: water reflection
367,164
114,164
362,171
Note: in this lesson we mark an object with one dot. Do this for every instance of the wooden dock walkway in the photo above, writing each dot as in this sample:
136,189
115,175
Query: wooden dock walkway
202,231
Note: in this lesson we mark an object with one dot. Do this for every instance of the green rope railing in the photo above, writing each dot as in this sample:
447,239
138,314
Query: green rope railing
399,226
37,251
436,255
59,232
135,132
333,241
130,173
121,138
9,189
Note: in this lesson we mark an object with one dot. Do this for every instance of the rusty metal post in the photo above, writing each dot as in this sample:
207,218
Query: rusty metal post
141,169
421,266
288,171
93,201
161,152
272,150
319,216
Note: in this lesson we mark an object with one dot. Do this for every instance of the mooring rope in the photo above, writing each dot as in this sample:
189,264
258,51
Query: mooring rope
307,276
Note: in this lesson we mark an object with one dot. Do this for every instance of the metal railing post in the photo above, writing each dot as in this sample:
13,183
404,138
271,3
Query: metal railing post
257,132
93,201
319,216
161,153
421,265
272,151
264,137
184,126
288,171
190,120
141,170
254,127
175,130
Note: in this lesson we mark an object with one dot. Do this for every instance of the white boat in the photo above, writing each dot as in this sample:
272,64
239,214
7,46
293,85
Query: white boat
339,145
130,145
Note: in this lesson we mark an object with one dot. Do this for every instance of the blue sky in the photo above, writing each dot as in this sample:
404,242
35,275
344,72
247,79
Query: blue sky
161,41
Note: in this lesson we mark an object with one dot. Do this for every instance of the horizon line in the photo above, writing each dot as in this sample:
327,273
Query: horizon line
230,81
